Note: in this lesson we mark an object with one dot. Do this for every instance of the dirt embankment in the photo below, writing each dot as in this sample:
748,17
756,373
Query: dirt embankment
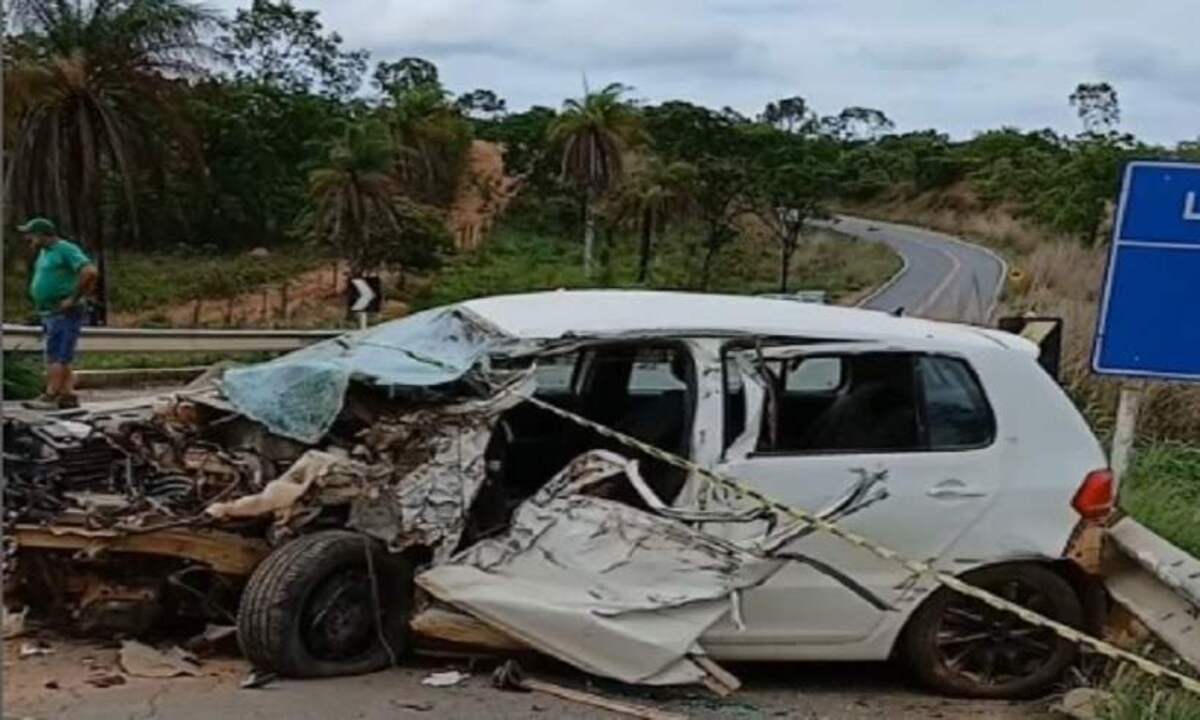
484,191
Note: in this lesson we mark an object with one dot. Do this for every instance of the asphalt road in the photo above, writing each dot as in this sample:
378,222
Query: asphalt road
943,277
57,686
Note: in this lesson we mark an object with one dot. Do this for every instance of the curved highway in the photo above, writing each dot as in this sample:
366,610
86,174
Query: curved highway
943,277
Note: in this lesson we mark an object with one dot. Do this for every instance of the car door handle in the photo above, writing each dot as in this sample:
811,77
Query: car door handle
953,489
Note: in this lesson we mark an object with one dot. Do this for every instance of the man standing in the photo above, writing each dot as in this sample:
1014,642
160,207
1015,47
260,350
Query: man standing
62,277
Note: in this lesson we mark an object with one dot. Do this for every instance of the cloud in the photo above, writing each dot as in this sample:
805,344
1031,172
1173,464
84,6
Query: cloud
961,67
918,58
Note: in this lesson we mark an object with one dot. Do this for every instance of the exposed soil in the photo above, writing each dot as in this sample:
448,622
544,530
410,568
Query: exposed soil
484,192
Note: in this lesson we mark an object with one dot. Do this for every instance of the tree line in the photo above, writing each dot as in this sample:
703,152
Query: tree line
154,124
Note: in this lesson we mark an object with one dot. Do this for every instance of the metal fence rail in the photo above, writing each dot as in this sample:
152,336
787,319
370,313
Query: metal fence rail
129,340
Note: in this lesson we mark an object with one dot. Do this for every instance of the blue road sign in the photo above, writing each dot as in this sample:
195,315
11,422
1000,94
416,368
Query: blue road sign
1149,324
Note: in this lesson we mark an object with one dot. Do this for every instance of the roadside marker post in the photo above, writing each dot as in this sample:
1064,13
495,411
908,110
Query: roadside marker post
1147,326
364,295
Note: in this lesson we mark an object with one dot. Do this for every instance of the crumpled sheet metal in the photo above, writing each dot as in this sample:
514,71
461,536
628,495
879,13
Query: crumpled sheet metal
300,394
428,469
428,506
599,584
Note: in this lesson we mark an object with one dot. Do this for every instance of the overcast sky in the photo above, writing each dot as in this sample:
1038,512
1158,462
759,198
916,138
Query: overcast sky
957,65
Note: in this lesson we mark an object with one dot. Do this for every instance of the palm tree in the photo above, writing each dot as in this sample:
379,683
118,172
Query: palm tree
657,191
431,139
594,132
96,79
354,196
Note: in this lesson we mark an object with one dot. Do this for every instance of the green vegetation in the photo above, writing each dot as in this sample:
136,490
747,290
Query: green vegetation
1162,491
1137,697
517,260
144,281
128,361
253,130
22,376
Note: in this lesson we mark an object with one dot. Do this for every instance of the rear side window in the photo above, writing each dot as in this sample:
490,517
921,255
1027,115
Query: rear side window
874,402
957,415
843,403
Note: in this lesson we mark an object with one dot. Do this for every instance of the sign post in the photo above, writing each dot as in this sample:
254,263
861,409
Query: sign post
364,295
1147,327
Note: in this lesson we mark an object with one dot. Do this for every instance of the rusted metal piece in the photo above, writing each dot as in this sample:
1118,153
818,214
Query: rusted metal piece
222,551
1086,547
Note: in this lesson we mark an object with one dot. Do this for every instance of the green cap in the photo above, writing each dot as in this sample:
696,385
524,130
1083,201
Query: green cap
39,225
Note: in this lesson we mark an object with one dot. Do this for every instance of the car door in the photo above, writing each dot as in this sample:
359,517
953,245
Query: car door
918,423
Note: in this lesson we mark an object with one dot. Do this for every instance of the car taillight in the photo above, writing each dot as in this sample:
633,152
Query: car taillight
1096,496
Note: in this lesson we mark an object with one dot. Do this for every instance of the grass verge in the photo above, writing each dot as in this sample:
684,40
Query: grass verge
1136,697
515,260
1162,491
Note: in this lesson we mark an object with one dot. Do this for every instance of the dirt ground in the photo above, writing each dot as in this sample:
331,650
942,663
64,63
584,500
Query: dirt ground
57,686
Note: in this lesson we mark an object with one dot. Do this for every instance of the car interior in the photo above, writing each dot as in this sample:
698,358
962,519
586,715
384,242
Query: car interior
644,390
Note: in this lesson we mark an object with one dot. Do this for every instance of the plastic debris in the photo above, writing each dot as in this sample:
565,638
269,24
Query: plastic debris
141,660
448,678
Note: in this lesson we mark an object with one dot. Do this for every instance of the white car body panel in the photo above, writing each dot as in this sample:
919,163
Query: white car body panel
960,509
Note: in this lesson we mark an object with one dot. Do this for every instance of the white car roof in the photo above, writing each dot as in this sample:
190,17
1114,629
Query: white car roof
604,312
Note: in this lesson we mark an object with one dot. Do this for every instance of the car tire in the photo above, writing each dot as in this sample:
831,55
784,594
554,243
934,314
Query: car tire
308,608
959,646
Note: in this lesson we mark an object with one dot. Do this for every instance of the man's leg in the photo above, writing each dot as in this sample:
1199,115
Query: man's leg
73,325
55,372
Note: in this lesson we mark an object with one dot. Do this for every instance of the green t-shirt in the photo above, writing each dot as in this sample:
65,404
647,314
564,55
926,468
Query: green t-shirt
56,274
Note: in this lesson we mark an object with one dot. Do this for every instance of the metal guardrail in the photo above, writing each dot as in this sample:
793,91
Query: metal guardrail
1157,583
103,339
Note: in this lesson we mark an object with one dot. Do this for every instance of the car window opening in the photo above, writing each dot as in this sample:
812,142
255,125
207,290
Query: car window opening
644,391
864,402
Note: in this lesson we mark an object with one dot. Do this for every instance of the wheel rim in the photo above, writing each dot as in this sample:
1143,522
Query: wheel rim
991,647
338,622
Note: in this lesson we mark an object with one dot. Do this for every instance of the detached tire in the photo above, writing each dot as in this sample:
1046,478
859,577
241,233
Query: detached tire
308,609
960,646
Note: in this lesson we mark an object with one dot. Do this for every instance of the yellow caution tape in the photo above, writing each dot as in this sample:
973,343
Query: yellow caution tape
915,566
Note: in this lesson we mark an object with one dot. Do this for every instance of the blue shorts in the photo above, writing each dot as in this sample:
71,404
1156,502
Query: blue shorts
62,335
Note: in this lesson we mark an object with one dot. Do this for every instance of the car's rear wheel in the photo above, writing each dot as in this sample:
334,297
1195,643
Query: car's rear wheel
961,646
309,609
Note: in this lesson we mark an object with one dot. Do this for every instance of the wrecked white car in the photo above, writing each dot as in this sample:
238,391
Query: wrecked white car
404,491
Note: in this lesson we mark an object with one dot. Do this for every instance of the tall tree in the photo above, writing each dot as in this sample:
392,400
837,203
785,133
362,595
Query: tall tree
482,101
1097,106
856,124
355,200
791,188
656,191
790,114
720,190
98,98
278,44
594,132
431,140
405,74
